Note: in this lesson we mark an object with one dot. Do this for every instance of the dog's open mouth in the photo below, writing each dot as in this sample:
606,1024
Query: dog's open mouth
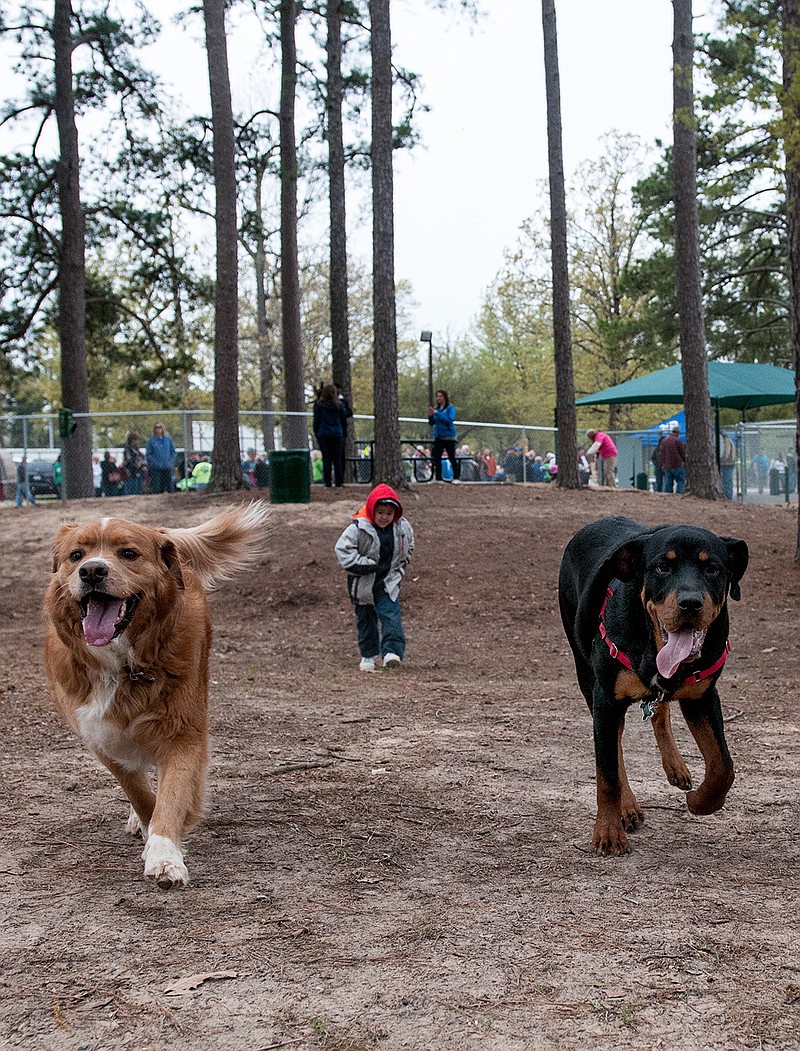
678,647
104,617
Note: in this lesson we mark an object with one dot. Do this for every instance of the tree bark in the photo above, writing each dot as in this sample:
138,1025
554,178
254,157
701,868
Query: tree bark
702,472
77,448
340,332
791,140
387,461
226,457
295,430
567,452
264,337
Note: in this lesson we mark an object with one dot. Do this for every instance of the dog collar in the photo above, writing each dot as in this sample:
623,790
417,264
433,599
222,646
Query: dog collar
139,675
662,689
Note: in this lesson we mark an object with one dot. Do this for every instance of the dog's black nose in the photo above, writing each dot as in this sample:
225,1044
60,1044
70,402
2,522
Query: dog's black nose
690,601
93,572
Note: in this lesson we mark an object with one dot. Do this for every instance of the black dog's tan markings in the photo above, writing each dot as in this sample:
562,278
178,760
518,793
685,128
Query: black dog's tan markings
662,596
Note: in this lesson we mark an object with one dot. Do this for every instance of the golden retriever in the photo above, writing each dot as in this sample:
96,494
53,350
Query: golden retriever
126,657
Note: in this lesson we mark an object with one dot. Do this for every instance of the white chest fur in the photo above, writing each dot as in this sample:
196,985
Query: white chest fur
102,734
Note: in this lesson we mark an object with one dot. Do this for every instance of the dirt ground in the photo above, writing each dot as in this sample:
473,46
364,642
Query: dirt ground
401,861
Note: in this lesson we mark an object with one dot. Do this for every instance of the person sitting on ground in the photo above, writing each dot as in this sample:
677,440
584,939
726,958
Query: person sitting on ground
488,466
201,473
316,467
109,473
584,467
538,473
261,471
249,469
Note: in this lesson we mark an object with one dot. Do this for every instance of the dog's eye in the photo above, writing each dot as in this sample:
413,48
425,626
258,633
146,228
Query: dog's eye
76,555
129,554
712,571
663,569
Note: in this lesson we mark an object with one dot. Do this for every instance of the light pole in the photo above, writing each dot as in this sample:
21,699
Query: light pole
426,336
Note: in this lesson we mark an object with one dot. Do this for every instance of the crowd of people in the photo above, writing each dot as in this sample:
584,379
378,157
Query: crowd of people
156,468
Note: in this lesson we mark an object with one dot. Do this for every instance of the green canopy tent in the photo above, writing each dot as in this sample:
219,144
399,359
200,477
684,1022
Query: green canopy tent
731,385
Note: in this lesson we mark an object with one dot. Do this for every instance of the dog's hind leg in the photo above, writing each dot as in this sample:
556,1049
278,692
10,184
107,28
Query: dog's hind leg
179,805
671,759
609,837
704,719
632,814
136,786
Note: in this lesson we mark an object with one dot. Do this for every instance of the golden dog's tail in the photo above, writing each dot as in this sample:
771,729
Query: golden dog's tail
227,544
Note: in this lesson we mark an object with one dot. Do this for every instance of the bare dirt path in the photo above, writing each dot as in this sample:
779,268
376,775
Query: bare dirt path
401,861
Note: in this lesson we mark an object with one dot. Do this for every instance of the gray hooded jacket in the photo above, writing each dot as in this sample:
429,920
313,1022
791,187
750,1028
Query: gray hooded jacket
359,547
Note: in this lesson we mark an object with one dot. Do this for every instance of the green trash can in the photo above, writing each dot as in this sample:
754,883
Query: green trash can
642,480
290,476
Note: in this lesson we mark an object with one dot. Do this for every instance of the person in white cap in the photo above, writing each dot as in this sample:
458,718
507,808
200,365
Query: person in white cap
655,457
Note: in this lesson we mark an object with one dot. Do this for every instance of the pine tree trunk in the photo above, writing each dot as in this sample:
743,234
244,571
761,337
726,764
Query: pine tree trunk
77,449
702,473
387,462
266,370
295,431
791,139
226,458
567,456
340,333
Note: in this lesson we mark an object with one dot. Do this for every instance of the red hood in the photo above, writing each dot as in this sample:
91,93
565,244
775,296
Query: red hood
380,492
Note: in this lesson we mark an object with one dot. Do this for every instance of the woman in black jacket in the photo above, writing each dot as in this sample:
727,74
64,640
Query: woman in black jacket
329,430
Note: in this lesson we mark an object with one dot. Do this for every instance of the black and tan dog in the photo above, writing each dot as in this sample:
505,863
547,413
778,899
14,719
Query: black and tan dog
646,614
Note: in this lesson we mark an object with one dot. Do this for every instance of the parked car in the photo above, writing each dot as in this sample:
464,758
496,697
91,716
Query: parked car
40,478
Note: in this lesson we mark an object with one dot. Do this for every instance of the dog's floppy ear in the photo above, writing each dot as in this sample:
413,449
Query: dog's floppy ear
169,556
608,548
62,532
626,561
738,557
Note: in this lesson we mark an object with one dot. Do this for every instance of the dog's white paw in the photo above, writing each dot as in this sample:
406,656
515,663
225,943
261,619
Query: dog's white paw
134,826
163,862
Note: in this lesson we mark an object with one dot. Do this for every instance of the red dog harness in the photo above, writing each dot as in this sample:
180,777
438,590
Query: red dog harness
617,653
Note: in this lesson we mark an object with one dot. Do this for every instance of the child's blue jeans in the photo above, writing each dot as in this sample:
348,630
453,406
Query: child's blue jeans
385,615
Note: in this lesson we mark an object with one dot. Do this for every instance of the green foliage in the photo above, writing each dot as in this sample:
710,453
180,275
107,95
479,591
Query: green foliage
741,197
146,302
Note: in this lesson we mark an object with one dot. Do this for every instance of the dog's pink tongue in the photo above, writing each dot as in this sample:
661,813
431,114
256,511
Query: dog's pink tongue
676,649
100,621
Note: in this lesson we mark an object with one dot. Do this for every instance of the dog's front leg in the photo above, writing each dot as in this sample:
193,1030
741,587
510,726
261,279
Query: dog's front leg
608,716
671,759
704,719
179,804
135,785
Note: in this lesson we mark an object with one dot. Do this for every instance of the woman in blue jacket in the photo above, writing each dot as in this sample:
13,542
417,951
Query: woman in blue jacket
442,419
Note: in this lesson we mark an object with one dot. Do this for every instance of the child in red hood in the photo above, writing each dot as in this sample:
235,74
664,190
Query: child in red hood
375,550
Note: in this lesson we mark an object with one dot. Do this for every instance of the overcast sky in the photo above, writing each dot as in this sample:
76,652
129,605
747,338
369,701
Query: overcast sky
461,196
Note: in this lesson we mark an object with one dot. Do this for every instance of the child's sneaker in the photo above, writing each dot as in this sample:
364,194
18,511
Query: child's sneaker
391,662
367,664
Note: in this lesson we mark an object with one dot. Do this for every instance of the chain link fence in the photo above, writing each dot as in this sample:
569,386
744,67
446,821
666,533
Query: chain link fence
765,469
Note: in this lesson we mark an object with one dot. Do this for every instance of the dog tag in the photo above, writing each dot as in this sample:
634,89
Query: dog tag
649,705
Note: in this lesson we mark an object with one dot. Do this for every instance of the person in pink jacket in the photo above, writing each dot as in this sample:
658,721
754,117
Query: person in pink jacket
605,453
